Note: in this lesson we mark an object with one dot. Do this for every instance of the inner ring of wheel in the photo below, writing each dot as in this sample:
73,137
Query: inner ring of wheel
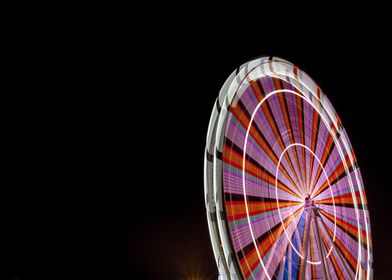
277,199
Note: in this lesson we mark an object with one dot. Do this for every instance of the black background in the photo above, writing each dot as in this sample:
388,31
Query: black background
106,165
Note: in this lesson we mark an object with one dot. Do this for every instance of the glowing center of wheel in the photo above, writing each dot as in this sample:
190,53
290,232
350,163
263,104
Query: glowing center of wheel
309,203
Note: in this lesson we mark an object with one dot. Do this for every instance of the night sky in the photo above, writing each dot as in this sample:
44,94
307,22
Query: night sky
106,169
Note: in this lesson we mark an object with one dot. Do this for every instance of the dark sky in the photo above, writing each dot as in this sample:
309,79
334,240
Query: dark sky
107,168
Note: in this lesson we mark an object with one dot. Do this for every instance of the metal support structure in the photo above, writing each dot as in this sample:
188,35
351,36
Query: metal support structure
338,254
313,215
319,245
304,262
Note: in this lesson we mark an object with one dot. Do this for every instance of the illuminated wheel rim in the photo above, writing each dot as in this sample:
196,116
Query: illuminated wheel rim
273,139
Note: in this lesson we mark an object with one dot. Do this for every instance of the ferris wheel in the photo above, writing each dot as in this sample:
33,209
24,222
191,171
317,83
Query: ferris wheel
283,190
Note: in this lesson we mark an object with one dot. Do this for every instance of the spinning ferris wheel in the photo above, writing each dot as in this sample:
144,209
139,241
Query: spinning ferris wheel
283,190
